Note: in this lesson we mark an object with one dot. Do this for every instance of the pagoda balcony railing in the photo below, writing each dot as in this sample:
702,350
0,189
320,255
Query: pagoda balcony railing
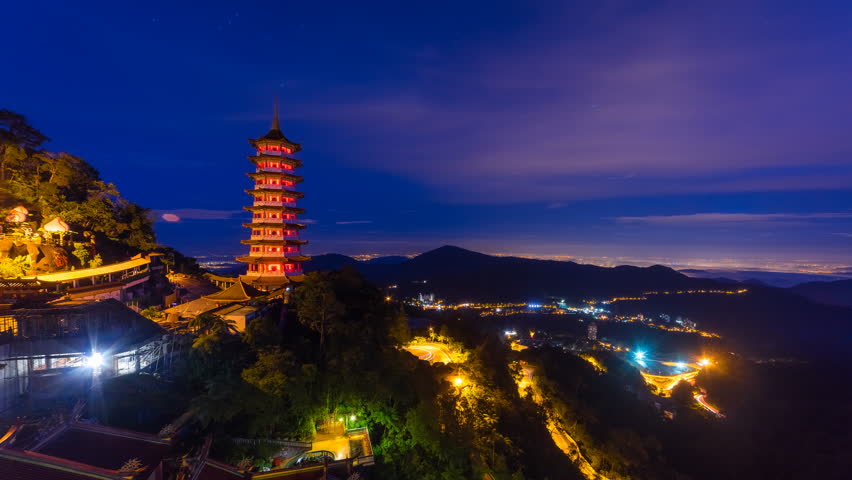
263,186
274,169
274,220
267,203
275,237
275,254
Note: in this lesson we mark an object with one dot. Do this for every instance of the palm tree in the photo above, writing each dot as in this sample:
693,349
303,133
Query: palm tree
210,328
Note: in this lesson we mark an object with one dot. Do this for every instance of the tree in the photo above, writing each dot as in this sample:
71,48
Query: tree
82,252
399,330
210,329
96,261
268,373
15,267
317,303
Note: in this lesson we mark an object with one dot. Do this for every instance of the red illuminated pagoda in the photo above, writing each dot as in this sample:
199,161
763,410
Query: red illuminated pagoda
275,257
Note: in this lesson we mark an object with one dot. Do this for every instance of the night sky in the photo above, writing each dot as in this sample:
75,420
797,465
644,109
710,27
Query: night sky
638,131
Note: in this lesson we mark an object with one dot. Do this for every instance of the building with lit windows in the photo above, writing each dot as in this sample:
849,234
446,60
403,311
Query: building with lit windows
592,332
275,249
50,352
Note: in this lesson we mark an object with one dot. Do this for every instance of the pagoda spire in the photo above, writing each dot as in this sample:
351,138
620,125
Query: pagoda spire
275,124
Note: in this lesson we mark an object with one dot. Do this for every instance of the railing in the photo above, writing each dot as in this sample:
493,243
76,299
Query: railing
275,169
267,203
274,237
275,254
266,186
272,441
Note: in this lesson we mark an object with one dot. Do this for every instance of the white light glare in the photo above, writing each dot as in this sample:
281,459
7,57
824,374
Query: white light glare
94,360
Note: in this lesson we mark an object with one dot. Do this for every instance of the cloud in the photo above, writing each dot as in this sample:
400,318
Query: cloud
354,222
654,108
176,215
732,218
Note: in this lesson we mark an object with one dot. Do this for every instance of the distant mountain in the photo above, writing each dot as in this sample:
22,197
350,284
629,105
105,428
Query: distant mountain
765,319
389,260
454,273
838,292
775,279
329,261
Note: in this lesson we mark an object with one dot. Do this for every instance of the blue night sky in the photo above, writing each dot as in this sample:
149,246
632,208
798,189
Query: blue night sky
670,132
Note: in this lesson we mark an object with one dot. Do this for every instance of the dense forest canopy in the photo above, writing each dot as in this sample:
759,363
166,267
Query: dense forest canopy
58,184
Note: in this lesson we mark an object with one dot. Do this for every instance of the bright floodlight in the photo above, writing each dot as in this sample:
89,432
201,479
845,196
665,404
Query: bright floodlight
352,418
640,355
94,360
681,365
458,381
704,362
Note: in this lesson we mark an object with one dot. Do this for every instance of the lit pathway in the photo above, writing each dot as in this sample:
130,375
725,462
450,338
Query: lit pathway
560,437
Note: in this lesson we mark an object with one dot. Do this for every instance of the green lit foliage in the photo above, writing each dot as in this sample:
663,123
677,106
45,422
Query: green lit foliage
83,252
15,267
60,184
210,328
96,261
153,313
319,308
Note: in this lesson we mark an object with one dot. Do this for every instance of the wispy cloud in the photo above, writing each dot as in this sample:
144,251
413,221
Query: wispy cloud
178,214
353,222
581,117
732,218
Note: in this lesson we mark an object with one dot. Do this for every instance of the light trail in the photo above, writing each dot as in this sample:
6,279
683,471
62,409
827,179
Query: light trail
700,399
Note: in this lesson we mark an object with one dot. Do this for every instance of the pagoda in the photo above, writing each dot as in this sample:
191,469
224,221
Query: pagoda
275,256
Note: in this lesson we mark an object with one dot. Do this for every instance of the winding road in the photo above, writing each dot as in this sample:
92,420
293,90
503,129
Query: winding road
431,352
560,437
700,398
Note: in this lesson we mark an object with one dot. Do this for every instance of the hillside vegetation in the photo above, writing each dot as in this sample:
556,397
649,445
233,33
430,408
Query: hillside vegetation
58,184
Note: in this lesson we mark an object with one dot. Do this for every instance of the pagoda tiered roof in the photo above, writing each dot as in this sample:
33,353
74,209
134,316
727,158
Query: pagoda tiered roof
293,162
275,208
271,259
238,292
284,225
274,242
271,280
272,191
284,175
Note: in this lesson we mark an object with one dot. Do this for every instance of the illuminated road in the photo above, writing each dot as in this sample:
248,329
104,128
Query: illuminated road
560,437
700,398
430,352
665,383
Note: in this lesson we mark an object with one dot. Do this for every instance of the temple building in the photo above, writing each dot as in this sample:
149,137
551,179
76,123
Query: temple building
275,253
